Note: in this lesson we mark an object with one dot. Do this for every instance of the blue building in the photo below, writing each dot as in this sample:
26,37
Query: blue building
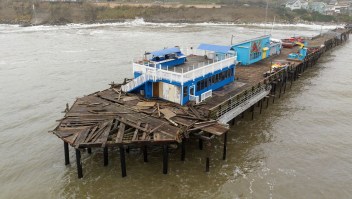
253,50
171,75
168,74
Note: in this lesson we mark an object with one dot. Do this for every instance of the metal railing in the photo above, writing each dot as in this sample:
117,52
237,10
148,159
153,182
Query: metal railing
206,95
194,98
236,106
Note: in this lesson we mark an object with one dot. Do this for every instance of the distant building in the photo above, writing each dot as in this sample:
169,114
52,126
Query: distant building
295,4
320,7
335,7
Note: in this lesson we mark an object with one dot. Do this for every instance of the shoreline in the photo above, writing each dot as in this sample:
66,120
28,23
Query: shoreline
45,13
142,21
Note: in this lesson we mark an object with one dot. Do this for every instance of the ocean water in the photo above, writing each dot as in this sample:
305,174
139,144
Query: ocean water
300,147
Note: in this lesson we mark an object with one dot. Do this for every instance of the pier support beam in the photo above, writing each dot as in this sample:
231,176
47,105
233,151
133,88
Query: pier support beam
252,112
261,106
183,149
67,153
267,102
207,164
89,150
106,156
79,164
145,153
207,155
123,162
225,147
165,158
200,144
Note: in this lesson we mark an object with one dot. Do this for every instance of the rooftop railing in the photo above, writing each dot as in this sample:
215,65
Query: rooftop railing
159,73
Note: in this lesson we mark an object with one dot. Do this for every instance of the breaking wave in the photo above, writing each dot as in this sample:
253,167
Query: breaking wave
140,22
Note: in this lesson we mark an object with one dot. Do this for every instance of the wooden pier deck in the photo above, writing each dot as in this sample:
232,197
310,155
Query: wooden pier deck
111,118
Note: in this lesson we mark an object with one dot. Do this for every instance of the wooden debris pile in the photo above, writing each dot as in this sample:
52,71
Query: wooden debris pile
112,117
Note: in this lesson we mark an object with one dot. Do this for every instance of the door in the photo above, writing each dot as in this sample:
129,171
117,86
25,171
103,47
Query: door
192,91
156,89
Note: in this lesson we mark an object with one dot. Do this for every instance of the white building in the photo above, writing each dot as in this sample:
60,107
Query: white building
296,4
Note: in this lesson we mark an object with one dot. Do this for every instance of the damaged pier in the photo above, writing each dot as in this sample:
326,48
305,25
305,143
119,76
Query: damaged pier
113,118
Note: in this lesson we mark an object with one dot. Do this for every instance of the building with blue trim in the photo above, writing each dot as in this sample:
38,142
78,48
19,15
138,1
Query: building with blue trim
171,75
256,49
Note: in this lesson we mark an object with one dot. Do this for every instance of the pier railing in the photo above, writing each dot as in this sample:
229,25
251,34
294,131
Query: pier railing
182,77
236,106
136,82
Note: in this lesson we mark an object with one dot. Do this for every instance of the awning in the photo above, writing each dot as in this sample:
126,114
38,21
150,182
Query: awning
166,51
265,48
215,48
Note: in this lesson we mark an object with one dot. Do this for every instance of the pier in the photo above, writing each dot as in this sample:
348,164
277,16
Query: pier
113,118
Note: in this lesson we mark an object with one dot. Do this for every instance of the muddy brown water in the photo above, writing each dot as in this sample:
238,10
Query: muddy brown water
301,147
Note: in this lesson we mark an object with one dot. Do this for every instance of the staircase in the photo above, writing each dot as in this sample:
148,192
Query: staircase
136,82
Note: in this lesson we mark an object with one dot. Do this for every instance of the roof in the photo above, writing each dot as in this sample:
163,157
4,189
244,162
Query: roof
165,51
215,48
291,2
250,40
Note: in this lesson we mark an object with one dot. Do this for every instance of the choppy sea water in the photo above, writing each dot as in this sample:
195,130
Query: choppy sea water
301,147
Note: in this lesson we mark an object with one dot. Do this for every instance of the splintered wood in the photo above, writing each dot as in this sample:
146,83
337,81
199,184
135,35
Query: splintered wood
111,117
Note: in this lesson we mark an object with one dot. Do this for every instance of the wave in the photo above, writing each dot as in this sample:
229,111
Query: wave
140,22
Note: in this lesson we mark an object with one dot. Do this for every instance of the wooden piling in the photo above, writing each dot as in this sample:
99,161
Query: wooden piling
67,153
89,150
183,149
79,164
106,156
123,161
145,153
225,147
200,144
165,158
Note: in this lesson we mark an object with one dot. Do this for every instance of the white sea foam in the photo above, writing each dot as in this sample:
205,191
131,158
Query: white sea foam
140,22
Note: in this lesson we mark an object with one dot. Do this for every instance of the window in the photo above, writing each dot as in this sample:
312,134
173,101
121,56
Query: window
202,85
185,91
198,86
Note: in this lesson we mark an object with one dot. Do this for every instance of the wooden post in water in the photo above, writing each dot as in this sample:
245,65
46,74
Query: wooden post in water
123,161
281,82
252,112
79,164
274,91
67,153
145,153
207,159
165,158
89,150
225,147
261,106
183,149
267,102
106,156
200,144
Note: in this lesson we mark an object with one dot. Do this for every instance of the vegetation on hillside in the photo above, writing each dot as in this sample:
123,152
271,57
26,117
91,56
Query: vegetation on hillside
22,12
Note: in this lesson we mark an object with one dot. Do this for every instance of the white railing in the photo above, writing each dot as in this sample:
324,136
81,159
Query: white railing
206,95
136,82
182,77
236,107
194,98
210,68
